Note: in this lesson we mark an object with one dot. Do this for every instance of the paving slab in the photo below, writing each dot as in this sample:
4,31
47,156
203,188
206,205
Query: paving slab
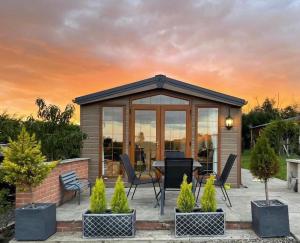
164,236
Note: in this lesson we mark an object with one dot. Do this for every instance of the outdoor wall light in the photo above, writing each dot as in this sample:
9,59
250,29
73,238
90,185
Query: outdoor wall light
228,121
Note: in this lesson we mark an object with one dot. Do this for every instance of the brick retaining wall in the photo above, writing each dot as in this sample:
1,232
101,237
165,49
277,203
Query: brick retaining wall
50,190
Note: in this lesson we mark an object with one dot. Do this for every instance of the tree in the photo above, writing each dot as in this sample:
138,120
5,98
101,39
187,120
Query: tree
185,199
208,199
262,114
283,135
98,197
264,162
289,111
53,114
119,203
24,164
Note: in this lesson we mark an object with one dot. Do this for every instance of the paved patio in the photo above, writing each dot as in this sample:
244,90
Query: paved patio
144,202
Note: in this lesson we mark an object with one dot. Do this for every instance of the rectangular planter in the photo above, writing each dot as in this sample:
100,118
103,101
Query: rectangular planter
270,221
108,225
199,223
37,223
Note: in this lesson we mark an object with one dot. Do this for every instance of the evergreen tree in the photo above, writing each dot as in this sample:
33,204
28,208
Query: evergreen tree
119,203
185,199
98,197
24,164
208,199
264,162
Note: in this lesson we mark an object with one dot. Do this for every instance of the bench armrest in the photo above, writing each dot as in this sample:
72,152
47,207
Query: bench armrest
79,179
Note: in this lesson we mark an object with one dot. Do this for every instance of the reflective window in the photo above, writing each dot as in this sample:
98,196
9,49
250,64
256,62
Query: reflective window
207,138
145,139
175,131
161,100
112,136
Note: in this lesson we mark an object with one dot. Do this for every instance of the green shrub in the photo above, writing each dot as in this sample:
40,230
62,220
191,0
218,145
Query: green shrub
264,162
208,199
24,164
98,197
185,199
119,203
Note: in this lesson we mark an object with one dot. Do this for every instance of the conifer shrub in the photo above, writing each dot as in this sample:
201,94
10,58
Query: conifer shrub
185,199
208,199
264,162
98,198
119,202
24,164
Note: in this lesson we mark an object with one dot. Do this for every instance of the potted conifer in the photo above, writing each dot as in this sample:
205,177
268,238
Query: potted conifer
270,218
24,166
101,222
204,221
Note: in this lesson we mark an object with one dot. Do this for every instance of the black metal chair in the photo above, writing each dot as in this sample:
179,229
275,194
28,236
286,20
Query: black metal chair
174,154
135,180
220,180
175,169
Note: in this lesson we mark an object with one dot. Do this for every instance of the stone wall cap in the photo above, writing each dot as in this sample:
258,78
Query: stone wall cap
293,160
65,161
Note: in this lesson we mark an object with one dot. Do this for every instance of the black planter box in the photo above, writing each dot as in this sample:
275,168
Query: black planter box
199,223
37,223
108,225
270,221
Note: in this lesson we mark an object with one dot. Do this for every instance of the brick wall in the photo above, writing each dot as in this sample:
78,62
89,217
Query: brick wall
50,190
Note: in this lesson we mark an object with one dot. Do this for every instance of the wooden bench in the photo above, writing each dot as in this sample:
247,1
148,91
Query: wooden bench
71,182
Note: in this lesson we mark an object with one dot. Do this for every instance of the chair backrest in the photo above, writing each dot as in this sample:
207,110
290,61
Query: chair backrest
227,168
128,167
175,168
174,154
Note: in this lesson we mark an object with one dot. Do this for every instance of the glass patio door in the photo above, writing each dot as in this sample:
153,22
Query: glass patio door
145,141
157,129
175,132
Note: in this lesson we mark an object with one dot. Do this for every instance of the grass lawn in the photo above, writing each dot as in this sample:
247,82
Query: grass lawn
282,171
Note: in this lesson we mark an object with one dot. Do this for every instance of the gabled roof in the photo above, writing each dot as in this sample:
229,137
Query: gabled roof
159,82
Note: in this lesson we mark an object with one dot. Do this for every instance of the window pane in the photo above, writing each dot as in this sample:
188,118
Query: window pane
112,136
175,131
207,138
161,100
145,139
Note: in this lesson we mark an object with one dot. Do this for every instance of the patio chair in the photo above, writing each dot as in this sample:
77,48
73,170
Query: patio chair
220,180
135,180
174,154
175,169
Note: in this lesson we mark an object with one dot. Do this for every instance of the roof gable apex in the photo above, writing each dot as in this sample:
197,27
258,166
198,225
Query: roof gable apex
159,82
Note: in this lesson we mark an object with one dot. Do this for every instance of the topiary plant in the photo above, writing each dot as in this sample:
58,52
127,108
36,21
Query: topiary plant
119,203
264,162
24,164
98,198
208,199
185,199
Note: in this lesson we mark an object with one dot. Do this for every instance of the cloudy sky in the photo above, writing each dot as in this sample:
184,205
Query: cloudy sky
62,49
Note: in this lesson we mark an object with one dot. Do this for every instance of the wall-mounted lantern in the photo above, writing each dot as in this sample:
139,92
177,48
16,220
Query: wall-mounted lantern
228,121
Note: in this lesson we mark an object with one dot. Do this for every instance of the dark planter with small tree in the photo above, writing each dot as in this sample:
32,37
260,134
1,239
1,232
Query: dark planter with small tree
24,166
270,218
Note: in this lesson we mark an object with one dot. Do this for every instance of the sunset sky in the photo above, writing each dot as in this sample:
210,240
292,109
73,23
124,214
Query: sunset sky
59,50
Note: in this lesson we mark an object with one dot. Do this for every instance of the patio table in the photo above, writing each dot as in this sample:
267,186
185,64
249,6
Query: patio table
159,165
